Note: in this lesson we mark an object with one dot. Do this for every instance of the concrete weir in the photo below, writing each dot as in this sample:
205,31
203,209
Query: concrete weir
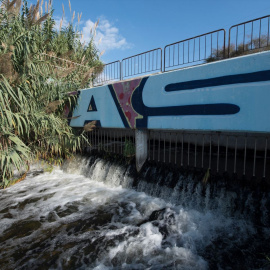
213,116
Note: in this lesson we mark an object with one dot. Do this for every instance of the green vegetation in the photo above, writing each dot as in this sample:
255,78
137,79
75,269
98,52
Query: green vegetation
129,148
257,45
34,85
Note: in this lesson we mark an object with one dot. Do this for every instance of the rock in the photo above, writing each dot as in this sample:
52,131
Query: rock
20,229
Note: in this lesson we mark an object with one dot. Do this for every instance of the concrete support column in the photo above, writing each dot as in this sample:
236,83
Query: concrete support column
141,138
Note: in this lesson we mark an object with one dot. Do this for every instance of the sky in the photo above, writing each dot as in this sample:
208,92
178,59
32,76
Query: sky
129,27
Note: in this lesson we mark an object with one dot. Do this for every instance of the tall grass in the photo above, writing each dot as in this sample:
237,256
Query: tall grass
39,66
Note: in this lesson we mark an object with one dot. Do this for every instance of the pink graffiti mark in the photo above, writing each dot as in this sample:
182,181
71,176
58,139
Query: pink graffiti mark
124,91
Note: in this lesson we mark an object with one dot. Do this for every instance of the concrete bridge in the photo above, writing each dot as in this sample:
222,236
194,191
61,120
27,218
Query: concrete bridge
216,111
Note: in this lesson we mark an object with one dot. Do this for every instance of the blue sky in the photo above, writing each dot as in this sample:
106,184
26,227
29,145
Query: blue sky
128,27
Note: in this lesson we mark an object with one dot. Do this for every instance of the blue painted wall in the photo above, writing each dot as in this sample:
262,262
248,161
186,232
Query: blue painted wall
232,95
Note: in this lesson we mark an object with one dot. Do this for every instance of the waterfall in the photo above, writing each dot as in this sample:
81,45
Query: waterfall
181,188
98,214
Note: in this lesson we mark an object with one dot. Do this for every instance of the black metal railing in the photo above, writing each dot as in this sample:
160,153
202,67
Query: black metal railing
240,154
248,36
111,72
245,37
143,63
195,50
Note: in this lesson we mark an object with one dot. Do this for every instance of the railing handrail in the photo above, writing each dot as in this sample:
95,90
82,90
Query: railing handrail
195,37
137,55
243,23
163,51
222,29
112,63
100,81
254,20
141,54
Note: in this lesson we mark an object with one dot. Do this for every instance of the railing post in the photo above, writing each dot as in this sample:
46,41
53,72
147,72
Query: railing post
224,45
161,55
229,42
121,70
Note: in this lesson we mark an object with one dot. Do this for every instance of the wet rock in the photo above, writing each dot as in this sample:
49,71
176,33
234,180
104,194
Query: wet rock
67,210
94,222
36,172
20,229
157,215
163,219
48,196
165,214
21,205
6,210
42,219
52,217
8,215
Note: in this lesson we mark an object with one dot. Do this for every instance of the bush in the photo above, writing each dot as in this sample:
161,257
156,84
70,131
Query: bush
257,45
34,86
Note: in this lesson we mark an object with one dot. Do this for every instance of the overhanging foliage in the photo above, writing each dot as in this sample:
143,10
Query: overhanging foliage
34,82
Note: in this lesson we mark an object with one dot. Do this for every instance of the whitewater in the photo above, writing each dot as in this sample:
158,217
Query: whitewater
93,214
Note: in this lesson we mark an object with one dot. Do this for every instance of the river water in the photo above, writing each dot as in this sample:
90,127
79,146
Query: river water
90,215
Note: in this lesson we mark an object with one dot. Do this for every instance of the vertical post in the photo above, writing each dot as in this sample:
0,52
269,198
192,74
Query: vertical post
210,152
120,70
164,147
245,156
154,142
188,148
226,159
195,159
235,156
149,136
182,150
254,160
175,157
265,156
218,155
159,147
170,147
141,138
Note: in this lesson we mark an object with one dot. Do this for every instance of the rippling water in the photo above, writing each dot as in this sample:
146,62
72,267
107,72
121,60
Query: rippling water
88,217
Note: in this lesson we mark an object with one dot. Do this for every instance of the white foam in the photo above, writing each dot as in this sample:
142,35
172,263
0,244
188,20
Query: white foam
133,246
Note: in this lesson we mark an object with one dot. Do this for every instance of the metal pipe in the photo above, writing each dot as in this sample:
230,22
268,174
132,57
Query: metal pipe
254,160
188,148
245,156
210,152
265,156
226,159
148,144
154,142
202,150
182,150
195,160
235,154
175,158
218,155
164,147
159,147
170,147
114,142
